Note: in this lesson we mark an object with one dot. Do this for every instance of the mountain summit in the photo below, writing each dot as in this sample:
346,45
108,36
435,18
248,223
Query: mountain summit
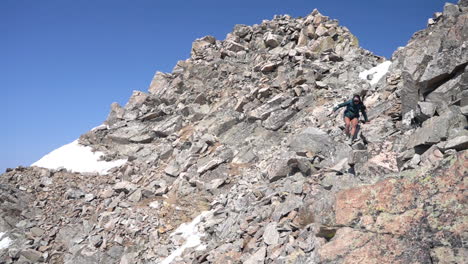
237,156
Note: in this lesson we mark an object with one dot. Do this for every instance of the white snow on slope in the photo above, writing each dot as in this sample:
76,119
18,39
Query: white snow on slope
191,235
377,72
77,158
4,241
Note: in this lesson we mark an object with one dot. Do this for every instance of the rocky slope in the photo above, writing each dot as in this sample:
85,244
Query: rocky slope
237,157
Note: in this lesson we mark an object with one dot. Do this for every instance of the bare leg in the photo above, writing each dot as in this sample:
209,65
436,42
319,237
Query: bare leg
347,121
354,124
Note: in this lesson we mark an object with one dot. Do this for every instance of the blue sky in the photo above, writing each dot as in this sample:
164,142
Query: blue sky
63,62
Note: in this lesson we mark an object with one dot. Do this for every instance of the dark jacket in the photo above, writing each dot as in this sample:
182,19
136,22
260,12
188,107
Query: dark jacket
352,110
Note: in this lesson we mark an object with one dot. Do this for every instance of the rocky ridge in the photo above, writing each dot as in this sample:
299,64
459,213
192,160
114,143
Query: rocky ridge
241,137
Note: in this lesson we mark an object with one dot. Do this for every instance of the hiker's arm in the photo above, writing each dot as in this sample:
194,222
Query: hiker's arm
340,105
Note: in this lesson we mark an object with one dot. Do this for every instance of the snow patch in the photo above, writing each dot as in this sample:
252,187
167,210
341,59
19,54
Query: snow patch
5,242
377,72
77,158
192,237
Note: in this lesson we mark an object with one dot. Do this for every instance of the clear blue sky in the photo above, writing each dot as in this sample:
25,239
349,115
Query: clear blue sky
63,62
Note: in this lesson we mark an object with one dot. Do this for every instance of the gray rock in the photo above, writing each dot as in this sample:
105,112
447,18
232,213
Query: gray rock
263,112
116,114
410,91
221,122
215,184
143,138
272,40
234,46
427,109
159,84
271,235
89,197
258,257
433,57
242,30
135,196
115,252
278,170
436,129
291,203
464,110
32,255
321,84
321,30
323,44
172,169
37,232
74,193
199,46
168,126
432,156
415,161
209,164
269,67
125,186
459,143
312,140
95,241
449,92
335,183
277,119
127,134
451,10
358,156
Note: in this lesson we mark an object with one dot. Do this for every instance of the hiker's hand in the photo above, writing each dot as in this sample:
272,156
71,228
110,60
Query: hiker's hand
335,108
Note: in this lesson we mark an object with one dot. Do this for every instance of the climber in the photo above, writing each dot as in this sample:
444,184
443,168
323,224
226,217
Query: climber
351,115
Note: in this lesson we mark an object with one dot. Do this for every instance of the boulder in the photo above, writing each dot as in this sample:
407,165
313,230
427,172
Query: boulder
269,67
125,186
271,40
199,46
234,46
32,255
427,109
451,10
459,143
257,257
323,44
242,30
160,83
168,126
277,119
321,30
449,92
358,156
173,169
291,203
312,140
263,112
387,211
116,114
278,169
271,235
436,129
410,91
135,196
